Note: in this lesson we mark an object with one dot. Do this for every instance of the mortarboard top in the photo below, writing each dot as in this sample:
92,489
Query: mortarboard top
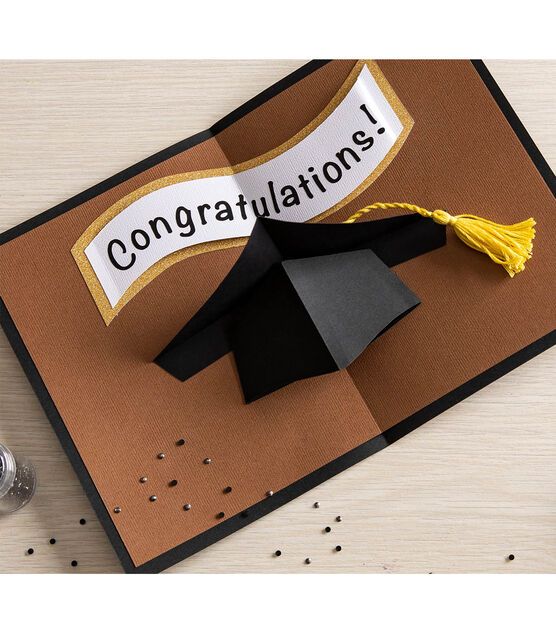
303,300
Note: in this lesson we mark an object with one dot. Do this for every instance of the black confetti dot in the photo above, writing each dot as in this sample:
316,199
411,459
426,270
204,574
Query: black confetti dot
220,515
82,521
277,552
30,551
74,563
511,557
308,561
227,489
338,548
143,480
316,504
173,483
52,541
207,460
180,442
339,519
153,498
328,529
187,507
161,456
117,510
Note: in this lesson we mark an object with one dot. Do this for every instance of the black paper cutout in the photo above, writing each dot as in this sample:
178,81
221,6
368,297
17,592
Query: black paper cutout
303,299
312,316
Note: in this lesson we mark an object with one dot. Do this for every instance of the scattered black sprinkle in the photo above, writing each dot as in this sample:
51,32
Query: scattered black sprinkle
277,552
227,490
381,130
153,498
339,519
161,456
30,551
220,515
244,514
338,548
173,483
52,541
187,507
207,460
269,493
511,557
308,561
74,563
82,521
328,529
143,480
117,510
316,504
180,442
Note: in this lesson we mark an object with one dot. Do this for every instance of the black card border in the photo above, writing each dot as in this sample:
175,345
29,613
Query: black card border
350,458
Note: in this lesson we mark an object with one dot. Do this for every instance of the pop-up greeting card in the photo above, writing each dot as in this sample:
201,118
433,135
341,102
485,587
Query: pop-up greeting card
239,317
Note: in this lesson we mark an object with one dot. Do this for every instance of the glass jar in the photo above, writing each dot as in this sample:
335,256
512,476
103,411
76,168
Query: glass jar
17,481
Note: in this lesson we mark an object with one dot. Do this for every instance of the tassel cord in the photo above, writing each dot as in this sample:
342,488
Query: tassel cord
506,245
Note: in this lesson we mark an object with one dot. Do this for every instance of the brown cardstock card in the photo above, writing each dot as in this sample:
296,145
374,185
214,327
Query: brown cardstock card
114,409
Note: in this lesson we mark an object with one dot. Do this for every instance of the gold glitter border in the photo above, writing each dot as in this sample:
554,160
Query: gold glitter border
78,250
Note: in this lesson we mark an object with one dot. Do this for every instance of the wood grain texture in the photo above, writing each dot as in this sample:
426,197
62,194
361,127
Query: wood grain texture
458,495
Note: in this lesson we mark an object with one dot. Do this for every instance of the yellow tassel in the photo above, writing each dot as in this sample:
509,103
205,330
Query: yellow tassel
507,245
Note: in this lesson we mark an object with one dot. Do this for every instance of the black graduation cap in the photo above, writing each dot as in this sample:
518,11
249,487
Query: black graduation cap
303,299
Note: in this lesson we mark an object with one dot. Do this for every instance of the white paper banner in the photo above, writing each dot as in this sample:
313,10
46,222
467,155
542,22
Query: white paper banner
320,169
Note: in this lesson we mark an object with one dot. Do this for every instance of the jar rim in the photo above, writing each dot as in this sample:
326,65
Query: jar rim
7,469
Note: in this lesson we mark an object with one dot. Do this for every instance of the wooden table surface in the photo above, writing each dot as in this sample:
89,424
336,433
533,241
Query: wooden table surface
460,494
